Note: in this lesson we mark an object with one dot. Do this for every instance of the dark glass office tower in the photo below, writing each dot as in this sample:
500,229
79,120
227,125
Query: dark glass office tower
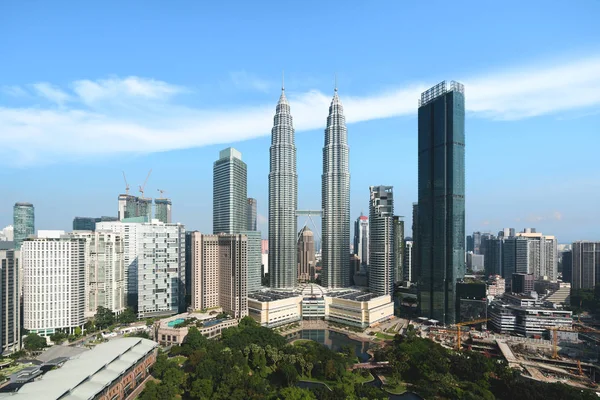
441,219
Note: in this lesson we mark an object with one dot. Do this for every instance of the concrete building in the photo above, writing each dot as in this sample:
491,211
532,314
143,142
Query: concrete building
361,239
111,371
441,232
522,283
229,192
585,264
543,255
283,200
381,240
496,286
335,200
104,271
475,262
53,284
272,309
154,258
162,210
10,301
220,272
306,255
254,260
252,214
167,333
23,222
134,207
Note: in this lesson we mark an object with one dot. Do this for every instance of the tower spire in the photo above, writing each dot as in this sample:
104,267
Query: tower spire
282,80
335,84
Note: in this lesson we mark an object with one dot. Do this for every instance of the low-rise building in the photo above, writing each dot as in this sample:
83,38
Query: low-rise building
111,371
273,308
172,331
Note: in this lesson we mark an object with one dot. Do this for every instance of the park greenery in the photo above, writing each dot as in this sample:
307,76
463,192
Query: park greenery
253,362
586,300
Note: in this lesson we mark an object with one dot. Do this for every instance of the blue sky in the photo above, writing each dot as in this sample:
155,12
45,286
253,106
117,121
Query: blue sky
87,91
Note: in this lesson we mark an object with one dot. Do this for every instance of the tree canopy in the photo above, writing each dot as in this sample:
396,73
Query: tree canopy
34,342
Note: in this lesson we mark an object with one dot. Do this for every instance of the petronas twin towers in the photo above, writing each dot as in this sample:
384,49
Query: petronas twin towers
283,200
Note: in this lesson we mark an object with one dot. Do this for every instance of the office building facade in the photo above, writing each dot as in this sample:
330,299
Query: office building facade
23,222
162,211
10,304
89,223
335,200
441,232
381,240
205,271
252,214
515,257
283,200
229,192
254,260
53,284
522,283
361,239
408,260
585,264
398,269
306,255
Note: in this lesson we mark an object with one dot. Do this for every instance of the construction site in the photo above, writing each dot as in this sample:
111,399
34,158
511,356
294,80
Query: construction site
566,355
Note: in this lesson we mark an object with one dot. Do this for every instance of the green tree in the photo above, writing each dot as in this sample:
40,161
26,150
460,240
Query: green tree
296,393
34,342
202,389
104,317
127,316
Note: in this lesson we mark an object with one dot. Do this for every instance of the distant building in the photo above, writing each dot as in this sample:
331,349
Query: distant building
163,210
10,301
306,255
543,255
89,223
441,211
361,239
104,271
515,257
264,246
522,283
475,262
493,253
398,268
229,193
408,261
566,259
23,222
53,284
252,214
254,260
381,240
415,234
585,264
496,286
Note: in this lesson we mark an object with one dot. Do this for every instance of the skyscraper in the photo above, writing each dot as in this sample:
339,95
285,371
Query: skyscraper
585,265
335,200
254,260
515,257
163,210
251,212
283,199
441,226
10,295
398,270
415,235
133,206
408,260
381,238
23,222
361,239
306,255
543,255
229,192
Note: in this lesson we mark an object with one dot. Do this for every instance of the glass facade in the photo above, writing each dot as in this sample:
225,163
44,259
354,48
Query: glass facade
24,222
229,192
441,215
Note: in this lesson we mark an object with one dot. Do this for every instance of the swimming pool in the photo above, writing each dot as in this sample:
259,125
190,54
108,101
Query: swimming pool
175,322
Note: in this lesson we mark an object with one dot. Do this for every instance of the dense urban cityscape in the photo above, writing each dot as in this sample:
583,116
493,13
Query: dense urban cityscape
383,288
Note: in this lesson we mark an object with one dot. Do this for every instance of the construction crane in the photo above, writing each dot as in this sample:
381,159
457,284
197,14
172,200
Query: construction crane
576,328
466,323
161,192
126,184
146,181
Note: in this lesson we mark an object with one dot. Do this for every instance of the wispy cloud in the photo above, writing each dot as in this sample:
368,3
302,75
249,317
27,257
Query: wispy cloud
245,80
14,90
134,114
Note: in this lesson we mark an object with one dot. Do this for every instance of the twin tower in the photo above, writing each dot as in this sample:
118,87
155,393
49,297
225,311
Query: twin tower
283,200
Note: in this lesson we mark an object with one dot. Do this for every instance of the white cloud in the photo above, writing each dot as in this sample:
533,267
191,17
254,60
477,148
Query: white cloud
51,92
14,90
143,115
245,80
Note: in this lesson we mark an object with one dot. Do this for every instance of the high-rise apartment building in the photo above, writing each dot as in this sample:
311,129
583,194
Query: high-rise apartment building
441,219
543,255
306,255
154,258
283,200
252,214
398,269
23,222
229,192
53,284
585,265
162,211
381,240
219,272
10,295
254,260
408,260
104,271
361,239
335,200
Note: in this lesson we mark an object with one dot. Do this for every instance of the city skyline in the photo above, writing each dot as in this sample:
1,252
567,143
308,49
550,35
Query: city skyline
177,119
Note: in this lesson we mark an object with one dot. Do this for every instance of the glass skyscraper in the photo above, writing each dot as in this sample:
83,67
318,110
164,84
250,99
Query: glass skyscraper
441,215
23,222
251,214
381,240
283,200
335,200
229,192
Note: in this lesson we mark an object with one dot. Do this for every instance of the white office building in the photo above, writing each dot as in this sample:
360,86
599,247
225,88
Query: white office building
53,284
